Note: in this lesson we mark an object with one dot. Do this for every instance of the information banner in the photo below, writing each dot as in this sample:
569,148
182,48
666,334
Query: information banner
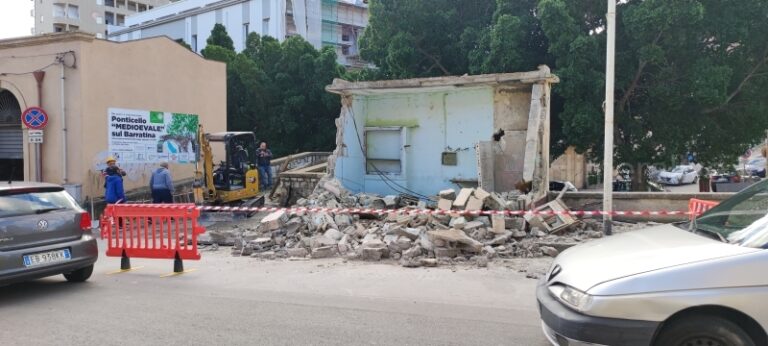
139,136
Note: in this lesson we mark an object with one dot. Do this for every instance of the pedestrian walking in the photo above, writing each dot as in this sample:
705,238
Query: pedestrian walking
264,157
161,184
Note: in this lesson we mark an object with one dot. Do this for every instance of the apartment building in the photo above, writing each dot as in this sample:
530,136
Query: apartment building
92,16
335,23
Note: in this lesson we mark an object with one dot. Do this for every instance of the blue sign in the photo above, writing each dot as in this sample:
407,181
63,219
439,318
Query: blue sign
34,118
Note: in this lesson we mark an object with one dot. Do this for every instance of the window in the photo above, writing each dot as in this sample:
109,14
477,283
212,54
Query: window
74,28
109,3
345,38
121,19
59,27
345,50
265,26
100,2
194,43
73,11
245,33
59,10
383,150
109,18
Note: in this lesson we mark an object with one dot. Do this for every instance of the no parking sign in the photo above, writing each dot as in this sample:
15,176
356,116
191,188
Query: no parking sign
34,118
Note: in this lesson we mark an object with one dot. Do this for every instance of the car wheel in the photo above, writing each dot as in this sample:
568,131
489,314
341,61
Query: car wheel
79,275
703,330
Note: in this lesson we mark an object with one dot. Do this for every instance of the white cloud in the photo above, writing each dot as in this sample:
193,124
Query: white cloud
15,18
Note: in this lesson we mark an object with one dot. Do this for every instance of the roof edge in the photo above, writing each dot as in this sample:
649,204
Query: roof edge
543,74
36,40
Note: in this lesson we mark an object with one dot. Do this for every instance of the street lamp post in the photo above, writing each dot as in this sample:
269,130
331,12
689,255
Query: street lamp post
608,145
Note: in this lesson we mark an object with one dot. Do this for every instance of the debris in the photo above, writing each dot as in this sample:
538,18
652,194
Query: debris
462,198
474,203
444,204
549,251
274,220
448,194
333,234
297,252
324,252
456,236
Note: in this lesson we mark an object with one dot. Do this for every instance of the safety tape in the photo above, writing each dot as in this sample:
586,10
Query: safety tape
407,211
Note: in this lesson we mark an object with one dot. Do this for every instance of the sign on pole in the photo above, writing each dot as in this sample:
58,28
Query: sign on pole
35,136
34,118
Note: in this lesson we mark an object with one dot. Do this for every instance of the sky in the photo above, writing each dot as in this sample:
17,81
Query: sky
15,18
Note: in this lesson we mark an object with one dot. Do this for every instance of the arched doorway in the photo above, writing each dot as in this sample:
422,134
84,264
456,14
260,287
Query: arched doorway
11,138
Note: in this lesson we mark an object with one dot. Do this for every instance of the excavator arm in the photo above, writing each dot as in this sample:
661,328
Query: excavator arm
205,178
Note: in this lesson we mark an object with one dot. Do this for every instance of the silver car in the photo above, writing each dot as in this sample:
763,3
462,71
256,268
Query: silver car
43,232
695,283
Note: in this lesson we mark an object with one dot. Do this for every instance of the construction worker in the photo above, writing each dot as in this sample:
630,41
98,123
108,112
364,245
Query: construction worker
112,168
264,157
113,182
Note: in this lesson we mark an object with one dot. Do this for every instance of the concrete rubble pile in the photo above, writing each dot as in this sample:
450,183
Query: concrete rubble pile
414,239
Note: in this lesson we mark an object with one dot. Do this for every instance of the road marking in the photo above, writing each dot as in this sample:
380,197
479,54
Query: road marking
177,274
124,270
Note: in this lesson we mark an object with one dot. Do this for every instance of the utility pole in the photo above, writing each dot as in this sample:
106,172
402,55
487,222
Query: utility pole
608,145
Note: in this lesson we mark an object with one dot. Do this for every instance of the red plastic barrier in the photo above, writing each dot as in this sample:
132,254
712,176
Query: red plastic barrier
697,207
152,231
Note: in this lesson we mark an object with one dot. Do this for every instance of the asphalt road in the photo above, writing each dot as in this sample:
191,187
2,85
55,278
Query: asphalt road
238,301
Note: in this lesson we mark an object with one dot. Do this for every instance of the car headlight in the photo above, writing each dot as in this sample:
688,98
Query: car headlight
574,297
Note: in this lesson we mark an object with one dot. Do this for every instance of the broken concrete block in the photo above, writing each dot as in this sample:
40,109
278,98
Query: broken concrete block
489,251
472,225
443,252
456,236
321,241
391,201
458,222
518,234
495,202
373,243
297,252
498,223
274,220
324,252
412,252
537,232
410,262
404,219
411,233
372,254
514,222
593,234
390,238
261,243
343,220
474,203
481,194
500,239
377,203
425,242
429,262
549,251
333,187
480,261
334,234
462,198
444,204
448,194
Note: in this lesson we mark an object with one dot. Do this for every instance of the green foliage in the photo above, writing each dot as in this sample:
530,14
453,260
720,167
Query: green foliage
214,52
182,43
278,91
219,37
691,75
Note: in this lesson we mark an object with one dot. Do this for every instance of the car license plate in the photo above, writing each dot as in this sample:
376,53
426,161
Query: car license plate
47,257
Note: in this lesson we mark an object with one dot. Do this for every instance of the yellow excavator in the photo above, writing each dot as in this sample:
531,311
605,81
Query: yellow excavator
233,181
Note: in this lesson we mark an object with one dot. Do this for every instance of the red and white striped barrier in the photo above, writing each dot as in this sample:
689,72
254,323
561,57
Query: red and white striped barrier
406,211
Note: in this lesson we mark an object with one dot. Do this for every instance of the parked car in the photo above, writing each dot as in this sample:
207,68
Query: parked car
756,167
43,232
693,283
679,175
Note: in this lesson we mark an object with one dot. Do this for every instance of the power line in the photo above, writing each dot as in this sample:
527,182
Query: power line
23,73
32,56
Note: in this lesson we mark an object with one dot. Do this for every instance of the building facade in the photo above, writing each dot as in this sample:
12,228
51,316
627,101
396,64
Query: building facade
419,136
79,81
92,16
335,23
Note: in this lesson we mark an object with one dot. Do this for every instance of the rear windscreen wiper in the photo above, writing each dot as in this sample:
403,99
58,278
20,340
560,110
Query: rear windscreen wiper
45,210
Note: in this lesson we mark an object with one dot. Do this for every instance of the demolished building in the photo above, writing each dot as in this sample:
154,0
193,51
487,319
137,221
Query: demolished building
418,136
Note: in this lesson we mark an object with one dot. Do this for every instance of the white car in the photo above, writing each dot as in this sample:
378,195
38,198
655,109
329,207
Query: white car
679,175
701,282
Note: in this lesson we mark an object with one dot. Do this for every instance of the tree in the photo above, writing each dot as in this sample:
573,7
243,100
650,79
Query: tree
689,75
277,90
219,37
420,38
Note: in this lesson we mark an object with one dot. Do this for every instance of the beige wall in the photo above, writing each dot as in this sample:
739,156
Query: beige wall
571,166
151,74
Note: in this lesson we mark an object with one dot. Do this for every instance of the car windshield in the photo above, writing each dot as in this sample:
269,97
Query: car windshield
741,219
28,202
679,169
756,162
